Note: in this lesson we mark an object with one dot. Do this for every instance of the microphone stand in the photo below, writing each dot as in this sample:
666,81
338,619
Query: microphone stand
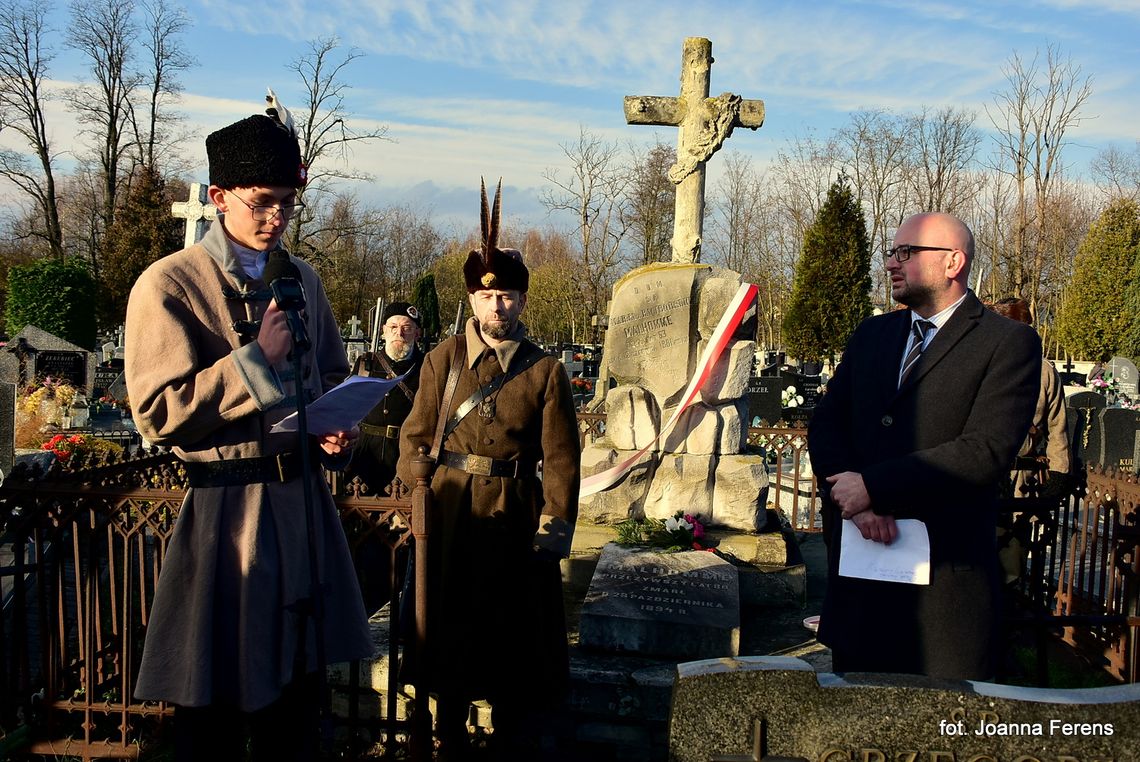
313,607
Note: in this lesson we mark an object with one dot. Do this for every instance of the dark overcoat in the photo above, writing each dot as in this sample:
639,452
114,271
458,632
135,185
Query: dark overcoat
935,449
495,621
375,456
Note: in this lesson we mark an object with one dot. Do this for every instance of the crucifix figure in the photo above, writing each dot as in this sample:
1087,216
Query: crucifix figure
197,211
705,124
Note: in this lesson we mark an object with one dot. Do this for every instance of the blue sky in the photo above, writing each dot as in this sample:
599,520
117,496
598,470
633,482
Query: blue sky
470,88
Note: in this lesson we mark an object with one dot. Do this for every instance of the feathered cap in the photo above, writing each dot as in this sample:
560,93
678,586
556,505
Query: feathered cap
490,266
258,150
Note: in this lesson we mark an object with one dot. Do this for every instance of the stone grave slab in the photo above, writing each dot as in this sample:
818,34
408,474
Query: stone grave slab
649,338
1125,375
1084,425
34,353
771,707
763,395
1118,438
807,386
684,605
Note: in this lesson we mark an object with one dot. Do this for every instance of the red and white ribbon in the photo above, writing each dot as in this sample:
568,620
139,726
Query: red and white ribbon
728,324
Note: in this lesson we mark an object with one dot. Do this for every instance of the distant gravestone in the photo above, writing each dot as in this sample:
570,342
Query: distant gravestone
118,388
1125,375
1118,438
35,354
7,426
807,386
105,375
778,708
764,400
197,211
683,605
1084,425
1136,454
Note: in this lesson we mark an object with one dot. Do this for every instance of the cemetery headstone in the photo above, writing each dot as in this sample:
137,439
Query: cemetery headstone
1084,425
7,426
772,707
1125,375
1118,439
684,605
105,375
1136,454
35,353
764,400
197,211
118,388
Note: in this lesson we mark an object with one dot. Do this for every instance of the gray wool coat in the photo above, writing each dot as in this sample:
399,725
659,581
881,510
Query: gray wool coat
223,628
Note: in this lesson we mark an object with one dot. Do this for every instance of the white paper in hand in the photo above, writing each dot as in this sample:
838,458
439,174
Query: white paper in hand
342,407
906,560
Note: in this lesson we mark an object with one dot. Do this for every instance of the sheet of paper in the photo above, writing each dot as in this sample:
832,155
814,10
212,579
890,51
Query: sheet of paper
906,560
342,407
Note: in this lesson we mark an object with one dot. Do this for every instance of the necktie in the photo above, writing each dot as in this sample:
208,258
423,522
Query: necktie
918,336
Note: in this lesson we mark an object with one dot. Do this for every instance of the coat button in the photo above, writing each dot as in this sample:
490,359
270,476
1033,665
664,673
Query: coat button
887,420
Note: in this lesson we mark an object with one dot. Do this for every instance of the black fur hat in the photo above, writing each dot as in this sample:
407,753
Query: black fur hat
404,309
490,266
258,150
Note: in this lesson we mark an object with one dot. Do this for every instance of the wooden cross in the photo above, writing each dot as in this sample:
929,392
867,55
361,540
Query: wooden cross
705,124
197,211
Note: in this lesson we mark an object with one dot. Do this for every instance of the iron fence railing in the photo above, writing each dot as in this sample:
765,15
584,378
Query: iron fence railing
82,551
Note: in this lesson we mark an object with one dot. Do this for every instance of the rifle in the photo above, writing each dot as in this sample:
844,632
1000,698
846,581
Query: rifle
459,317
376,324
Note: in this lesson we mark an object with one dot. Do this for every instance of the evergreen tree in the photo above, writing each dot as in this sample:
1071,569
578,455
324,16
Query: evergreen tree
1098,315
143,232
831,291
427,302
56,295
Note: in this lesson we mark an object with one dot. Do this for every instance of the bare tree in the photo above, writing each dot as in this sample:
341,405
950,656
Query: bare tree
875,146
652,198
322,125
594,192
162,25
1032,117
104,34
24,60
802,174
943,148
1117,173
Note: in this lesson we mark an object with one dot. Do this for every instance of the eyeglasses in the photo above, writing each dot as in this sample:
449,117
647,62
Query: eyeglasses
902,253
265,213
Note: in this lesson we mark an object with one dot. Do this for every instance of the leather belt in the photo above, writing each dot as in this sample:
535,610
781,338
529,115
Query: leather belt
481,465
388,432
283,467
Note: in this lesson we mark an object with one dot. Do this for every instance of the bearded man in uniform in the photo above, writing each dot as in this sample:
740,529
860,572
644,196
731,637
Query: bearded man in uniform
491,406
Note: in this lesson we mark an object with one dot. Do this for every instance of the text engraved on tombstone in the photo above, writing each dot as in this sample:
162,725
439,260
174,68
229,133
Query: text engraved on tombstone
70,366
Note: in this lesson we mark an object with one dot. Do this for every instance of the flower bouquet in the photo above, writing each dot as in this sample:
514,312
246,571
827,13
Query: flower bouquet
682,531
790,398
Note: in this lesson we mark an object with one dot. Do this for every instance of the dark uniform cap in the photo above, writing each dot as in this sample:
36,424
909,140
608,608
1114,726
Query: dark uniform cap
490,266
255,151
403,309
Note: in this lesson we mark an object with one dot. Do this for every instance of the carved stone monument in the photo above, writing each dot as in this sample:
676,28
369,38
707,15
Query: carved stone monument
661,318
705,124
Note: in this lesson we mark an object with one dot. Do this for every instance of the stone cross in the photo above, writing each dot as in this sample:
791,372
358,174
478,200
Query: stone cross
197,211
705,124
354,326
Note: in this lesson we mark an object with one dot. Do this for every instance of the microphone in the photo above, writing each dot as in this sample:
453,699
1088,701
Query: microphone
284,279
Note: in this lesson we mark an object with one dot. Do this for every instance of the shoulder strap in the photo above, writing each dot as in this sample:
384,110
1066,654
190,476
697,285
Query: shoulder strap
490,388
458,360
387,366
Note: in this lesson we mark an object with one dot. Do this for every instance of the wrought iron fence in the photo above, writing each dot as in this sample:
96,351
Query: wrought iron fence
85,547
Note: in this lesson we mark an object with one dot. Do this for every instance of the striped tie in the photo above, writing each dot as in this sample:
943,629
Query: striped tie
918,329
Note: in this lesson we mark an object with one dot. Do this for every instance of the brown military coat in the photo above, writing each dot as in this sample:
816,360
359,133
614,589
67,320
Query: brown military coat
222,628
495,605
